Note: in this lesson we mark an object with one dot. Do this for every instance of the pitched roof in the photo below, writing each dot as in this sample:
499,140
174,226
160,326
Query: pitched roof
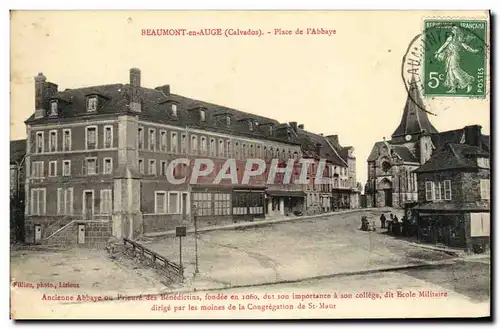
414,119
453,156
404,153
450,136
439,140
17,150
374,153
308,141
156,106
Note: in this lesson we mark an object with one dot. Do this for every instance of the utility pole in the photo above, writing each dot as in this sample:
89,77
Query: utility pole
195,217
374,184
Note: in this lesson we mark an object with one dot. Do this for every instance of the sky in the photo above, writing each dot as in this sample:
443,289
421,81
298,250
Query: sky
348,84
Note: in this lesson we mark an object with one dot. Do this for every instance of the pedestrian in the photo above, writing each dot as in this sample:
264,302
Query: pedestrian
382,221
389,223
405,226
396,227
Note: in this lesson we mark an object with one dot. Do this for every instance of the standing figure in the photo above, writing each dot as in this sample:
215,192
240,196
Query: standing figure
449,54
382,221
389,223
396,225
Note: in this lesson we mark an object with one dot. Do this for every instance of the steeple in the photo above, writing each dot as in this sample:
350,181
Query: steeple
415,119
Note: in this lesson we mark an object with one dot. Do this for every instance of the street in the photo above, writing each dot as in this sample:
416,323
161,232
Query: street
293,251
302,257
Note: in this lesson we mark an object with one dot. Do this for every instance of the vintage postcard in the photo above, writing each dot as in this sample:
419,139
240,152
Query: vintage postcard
250,164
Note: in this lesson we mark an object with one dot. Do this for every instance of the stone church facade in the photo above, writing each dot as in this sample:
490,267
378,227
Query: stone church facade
392,181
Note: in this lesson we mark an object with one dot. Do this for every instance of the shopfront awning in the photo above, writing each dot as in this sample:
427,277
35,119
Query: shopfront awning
293,194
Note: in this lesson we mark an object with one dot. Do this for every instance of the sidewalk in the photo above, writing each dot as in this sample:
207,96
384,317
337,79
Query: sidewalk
456,252
264,222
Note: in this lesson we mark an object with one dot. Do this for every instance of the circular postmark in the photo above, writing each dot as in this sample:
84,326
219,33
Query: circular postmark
449,59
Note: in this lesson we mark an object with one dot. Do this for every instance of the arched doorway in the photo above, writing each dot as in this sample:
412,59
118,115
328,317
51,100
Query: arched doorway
385,186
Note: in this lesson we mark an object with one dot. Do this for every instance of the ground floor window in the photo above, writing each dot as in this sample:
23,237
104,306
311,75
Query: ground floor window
106,201
248,203
212,203
38,201
203,203
65,201
480,224
160,202
222,204
173,203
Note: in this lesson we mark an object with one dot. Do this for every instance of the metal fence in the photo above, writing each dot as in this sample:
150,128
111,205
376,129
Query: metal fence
174,271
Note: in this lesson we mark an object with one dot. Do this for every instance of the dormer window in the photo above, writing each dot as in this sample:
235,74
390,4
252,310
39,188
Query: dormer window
174,110
203,116
53,108
92,104
228,121
270,130
250,125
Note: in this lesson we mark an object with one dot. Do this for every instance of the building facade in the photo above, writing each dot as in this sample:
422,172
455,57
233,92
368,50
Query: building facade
17,197
392,163
454,193
99,160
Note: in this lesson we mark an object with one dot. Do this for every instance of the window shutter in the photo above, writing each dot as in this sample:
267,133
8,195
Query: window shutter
69,201
485,189
44,204
60,200
429,191
447,190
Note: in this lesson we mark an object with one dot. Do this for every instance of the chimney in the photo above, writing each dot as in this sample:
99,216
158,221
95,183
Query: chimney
164,89
40,83
135,85
473,135
293,124
301,126
334,139
135,77
43,92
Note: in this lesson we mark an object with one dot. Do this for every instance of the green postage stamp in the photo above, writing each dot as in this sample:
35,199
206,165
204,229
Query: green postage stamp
455,57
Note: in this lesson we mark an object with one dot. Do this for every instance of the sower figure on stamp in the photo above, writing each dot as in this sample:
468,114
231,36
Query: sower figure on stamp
449,53
382,221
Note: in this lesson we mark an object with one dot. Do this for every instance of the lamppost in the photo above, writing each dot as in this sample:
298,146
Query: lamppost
195,217
399,186
374,184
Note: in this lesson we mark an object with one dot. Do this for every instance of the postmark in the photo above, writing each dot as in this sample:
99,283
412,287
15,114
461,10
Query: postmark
454,63
414,67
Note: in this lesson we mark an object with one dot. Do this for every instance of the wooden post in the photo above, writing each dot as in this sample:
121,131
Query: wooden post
180,258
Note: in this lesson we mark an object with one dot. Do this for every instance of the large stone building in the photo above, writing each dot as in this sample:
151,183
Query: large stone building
391,165
98,159
454,192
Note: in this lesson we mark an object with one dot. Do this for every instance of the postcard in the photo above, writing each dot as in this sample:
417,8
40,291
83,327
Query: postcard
250,164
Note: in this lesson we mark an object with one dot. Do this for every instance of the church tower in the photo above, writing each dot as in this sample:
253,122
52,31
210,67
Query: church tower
414,121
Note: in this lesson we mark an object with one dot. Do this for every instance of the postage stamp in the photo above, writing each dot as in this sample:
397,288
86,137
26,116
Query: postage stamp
455,58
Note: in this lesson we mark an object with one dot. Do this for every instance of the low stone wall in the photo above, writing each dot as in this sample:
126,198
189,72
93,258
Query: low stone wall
65,232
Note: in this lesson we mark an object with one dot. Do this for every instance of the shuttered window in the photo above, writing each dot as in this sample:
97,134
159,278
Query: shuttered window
429,193
485,189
